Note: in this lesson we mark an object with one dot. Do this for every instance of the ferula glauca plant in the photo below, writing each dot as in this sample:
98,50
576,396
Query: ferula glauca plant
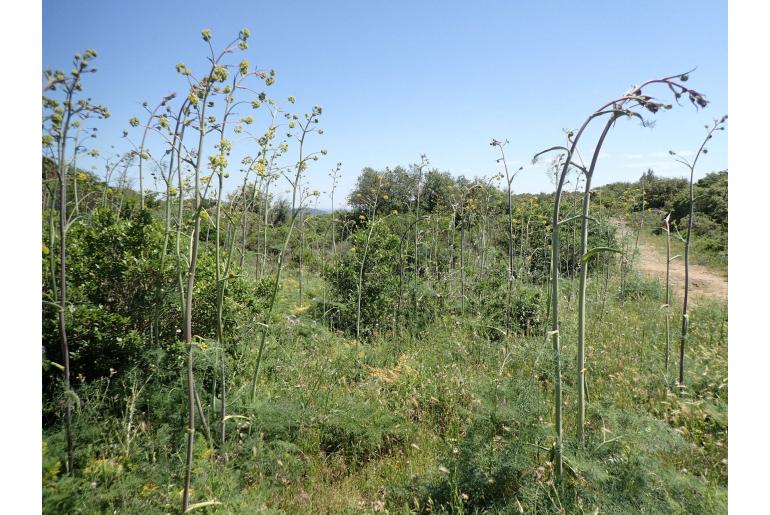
369,218
717,125
62,114
200,99
667,294
509,177
627,105
265,167
299,130
218,164
418,185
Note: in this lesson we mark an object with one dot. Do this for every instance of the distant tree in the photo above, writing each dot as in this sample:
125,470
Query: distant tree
710,194
280,212
437,190
396,183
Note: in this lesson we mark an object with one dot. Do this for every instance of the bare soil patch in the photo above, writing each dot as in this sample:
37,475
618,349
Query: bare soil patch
704,283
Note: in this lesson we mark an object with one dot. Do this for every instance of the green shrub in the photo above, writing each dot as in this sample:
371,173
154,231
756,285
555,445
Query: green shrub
498,454
117,289
361,430
380,286
120,287
528,309
278,462
527,306
277,419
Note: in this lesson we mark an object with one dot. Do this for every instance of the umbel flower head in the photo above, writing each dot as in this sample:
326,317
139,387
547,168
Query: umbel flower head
219,74
243,35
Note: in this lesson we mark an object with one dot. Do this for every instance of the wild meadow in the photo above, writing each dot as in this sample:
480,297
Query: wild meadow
214,342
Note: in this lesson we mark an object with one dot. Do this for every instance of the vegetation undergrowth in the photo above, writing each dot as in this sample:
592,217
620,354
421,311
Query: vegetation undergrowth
447,422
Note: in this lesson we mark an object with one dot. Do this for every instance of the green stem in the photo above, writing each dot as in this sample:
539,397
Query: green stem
581,368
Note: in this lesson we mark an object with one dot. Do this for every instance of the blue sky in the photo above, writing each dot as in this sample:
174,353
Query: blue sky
398,79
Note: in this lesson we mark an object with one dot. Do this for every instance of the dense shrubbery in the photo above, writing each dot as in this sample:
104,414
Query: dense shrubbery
386,293
528,306
710,200
665,195
124,296
379,286
472,426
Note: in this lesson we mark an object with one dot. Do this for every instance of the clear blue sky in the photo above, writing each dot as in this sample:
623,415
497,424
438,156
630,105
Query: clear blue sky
398,79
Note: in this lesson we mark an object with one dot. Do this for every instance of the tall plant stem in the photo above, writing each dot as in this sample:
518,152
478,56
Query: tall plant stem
220,282
296,206
607,267
265,213
188,304
581,367
301,258
718,125
462,265
372,218
509,302
555,261
509,180
62,169
422,164
668,295
188,319
334,236
685,301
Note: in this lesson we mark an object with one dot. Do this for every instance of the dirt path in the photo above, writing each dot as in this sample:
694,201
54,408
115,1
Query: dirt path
704,283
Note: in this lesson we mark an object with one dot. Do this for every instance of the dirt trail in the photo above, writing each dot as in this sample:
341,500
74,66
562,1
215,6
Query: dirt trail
704,283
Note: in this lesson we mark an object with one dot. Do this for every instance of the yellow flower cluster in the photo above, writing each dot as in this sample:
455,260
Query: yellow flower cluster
300,309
